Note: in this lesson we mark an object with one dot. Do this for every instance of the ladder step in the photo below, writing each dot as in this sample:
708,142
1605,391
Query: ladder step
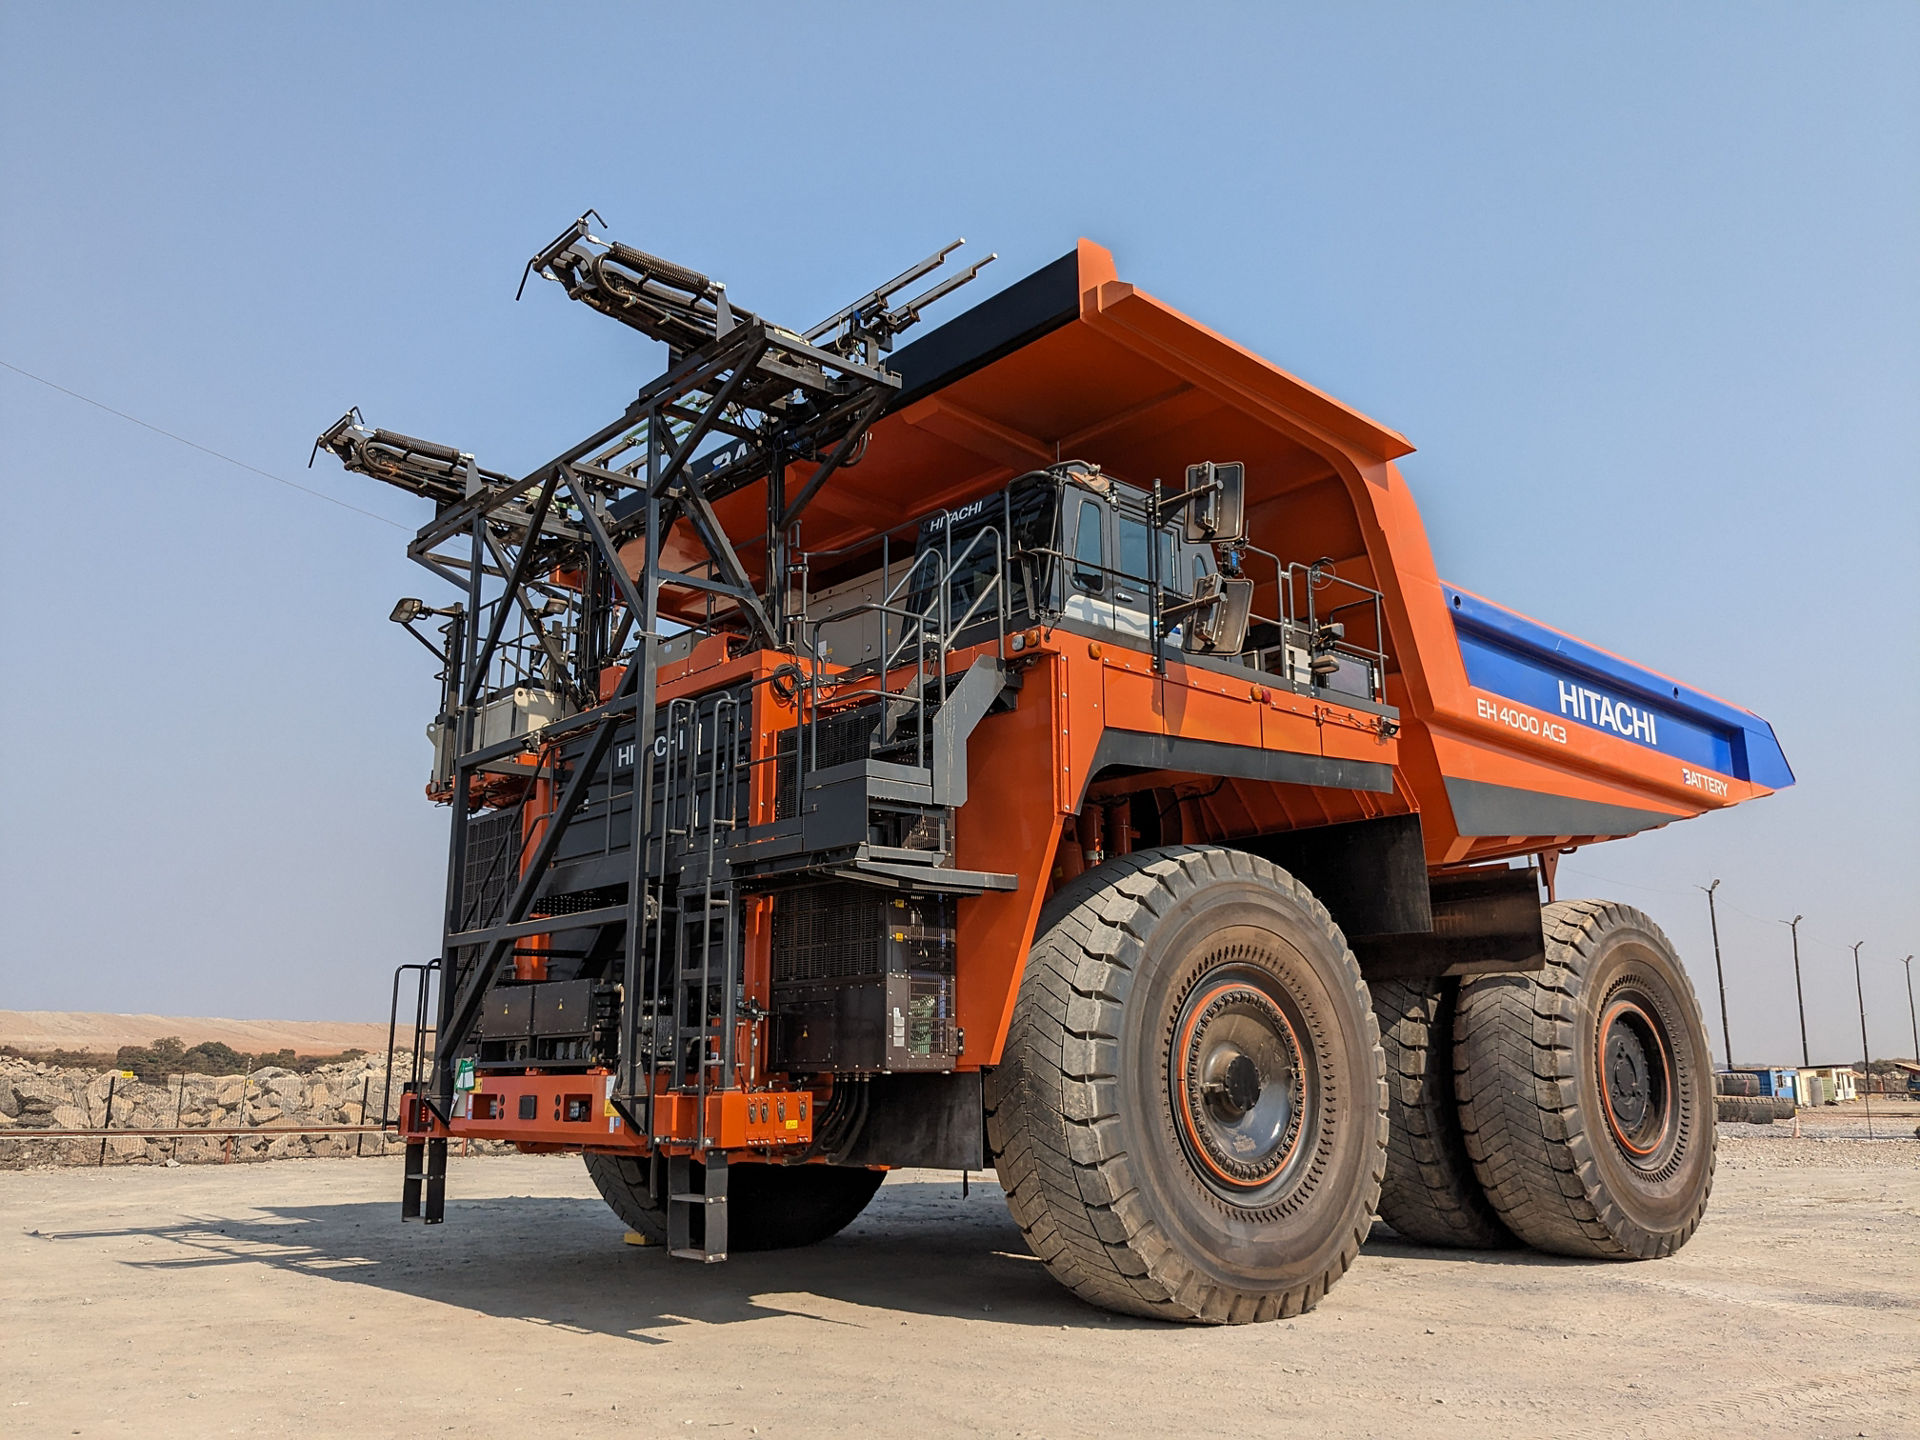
701,1255
696,1198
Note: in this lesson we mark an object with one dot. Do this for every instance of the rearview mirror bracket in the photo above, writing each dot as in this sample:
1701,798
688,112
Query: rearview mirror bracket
1215,619
1214,503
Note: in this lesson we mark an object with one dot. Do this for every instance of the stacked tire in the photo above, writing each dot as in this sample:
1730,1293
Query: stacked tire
1755,1109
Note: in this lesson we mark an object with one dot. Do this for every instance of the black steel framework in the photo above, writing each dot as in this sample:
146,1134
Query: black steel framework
741,402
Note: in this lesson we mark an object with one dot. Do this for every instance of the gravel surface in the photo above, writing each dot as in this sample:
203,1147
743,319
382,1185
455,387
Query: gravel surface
288,1299
1818,1151
1884,1118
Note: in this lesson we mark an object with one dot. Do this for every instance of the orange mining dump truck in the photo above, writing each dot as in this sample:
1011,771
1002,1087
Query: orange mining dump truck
1047,747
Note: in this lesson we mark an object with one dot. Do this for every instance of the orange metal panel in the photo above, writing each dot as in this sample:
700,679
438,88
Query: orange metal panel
576,1111
1019,779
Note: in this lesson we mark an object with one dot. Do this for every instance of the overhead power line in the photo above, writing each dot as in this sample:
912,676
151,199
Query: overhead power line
203,449
1812,938
1629,884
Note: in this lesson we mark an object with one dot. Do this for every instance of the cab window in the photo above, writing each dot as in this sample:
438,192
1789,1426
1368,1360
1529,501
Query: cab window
1133,551
1134,563
1089,548
1170,562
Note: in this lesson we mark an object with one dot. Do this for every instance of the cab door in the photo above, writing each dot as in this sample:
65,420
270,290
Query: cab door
1086,534
1135,569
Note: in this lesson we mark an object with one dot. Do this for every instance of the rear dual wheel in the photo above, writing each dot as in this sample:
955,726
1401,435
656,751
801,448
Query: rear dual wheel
1431,1195
1585,1089
1189,1117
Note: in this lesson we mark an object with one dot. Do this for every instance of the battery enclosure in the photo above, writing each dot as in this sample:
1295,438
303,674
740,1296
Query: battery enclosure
863,980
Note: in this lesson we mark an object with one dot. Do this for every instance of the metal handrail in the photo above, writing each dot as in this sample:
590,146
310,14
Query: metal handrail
1315,576
913,633
427,969
1303,622
928,633
996,587
703,1063
670,763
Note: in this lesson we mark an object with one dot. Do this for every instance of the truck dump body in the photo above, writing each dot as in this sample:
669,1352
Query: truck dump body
787,719
1499,760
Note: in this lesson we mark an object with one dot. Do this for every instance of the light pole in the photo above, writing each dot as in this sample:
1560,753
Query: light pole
1866,1059
1798,994
1911,1018
1726,1035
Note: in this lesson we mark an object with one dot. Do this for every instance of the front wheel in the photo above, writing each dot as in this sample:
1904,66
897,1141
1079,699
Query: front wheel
1189,1117
769,1207
1586,1091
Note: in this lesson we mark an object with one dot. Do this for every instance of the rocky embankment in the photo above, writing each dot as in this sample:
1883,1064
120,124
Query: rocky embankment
45,1097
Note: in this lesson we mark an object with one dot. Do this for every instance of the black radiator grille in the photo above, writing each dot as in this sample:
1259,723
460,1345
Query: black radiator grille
837,738
493,854
493,864
844,931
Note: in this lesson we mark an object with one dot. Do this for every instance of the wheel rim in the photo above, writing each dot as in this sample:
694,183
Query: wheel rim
1636,1080
1242,1085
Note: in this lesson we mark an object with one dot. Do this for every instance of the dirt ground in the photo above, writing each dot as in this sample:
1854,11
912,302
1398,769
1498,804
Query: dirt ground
37,1030
287,1298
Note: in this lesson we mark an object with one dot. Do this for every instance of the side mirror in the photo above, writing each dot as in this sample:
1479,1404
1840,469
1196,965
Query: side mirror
1217,624
1218,511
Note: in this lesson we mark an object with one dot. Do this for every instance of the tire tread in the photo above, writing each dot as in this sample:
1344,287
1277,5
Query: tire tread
1430,1195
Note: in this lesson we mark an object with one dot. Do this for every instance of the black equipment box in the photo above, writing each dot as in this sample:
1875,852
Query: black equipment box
549,1022
892,1023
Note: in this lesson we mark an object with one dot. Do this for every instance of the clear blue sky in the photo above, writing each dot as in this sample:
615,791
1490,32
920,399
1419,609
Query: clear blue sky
1639,282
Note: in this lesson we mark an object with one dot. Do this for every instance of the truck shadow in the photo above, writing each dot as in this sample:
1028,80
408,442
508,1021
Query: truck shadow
920,1249
1383,1240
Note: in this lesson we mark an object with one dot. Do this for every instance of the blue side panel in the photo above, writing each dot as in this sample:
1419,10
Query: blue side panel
1558,689
1508,654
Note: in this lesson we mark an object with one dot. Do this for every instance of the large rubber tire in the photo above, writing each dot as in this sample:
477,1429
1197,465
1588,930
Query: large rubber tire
769,1207
1115,1159
1613,1163
1430,1195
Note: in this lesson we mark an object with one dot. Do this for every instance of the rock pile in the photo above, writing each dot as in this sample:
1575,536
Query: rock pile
45,1097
